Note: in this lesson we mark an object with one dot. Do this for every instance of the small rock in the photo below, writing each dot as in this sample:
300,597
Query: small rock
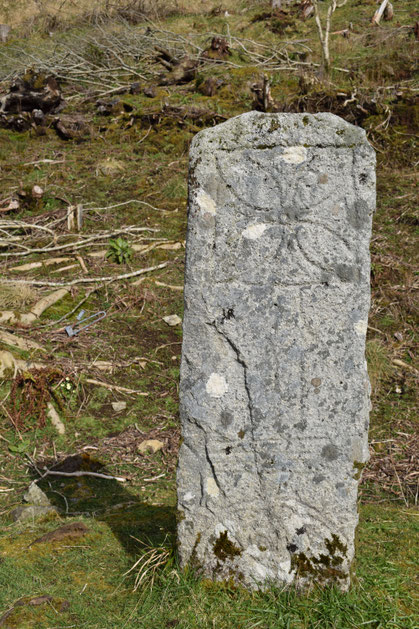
38,117
108,107
13,205
55,419
119,406
135,88
172,320
210,86
150,446
150,91
32,512
35,496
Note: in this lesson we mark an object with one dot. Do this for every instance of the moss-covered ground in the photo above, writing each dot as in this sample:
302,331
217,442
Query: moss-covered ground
130,169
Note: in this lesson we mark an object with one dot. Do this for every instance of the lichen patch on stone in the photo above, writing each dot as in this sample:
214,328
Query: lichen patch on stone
361,327
216,386
211,487
294,154
206,203
255,231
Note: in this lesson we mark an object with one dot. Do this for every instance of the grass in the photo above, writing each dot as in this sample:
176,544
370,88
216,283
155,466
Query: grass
93,574
90,575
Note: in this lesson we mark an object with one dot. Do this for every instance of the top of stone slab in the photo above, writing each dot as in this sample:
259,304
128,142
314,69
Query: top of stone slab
259,130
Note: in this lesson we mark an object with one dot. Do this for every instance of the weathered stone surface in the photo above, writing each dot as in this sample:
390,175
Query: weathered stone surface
30,513
35,496
274,386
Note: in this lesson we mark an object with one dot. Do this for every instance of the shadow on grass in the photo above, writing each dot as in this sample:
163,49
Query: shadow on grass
132,520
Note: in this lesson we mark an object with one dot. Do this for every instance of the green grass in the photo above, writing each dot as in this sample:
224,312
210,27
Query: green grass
88,574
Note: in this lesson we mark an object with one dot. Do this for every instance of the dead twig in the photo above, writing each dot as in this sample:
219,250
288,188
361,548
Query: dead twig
89,280
120,479
114,387
80,243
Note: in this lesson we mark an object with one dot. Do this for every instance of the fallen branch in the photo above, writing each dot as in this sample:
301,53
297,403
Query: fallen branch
142,249
26,319
111,207
79,244
114,387
65,268
88,280
401,363
171,286
18,341
21,225
150,480
36,265
45,161
82,264
120,479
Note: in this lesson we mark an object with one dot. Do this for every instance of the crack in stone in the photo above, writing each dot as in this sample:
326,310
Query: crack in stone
210,463
242,362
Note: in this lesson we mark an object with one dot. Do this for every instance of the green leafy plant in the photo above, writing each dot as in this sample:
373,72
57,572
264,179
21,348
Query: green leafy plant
20,447
119,250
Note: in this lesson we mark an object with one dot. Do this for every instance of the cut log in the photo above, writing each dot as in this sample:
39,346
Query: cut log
388,12
379,13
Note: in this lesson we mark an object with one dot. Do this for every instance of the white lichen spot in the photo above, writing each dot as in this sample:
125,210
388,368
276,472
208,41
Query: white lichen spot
226,527
219,528
211,487
206,203
253,551
255,231
188,497
260,572
284,571
361,327
294,154
216,386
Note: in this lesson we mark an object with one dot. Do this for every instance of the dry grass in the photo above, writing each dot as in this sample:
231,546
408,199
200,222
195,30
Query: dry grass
14,297
148,564
52,15
394,468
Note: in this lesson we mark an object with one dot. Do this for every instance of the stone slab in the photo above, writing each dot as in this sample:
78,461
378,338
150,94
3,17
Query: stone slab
274,387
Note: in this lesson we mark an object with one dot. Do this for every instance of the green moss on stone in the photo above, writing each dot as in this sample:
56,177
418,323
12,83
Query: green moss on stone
224,547
325,567
359,466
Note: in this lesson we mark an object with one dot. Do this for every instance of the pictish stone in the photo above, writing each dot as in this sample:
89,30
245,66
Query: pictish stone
274,387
